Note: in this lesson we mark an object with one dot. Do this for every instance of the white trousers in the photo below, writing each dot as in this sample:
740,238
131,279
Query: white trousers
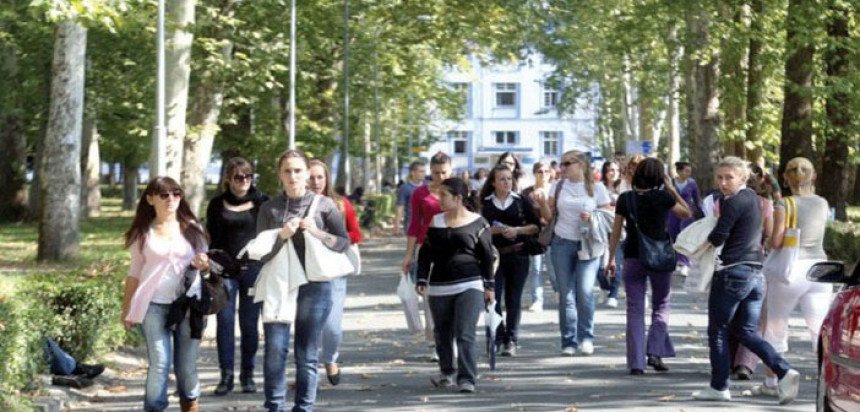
814,300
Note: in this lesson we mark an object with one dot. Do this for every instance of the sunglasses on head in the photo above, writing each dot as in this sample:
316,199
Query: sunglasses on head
176,193
243,177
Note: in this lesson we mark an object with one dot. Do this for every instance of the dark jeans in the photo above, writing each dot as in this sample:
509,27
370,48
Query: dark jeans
510,282
249,315
61,363
734,305
613,285
456,319
312,309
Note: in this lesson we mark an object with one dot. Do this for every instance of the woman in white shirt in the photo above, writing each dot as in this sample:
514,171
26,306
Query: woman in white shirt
578,197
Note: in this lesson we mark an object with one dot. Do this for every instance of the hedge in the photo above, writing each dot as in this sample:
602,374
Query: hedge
842,242
80,311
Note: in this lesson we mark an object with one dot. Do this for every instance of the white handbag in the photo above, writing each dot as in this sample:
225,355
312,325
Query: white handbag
779,262
321,263
406,293
354,256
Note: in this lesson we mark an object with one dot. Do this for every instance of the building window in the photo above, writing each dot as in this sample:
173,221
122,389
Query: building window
549,142
506,94
506,138
459,141
550,99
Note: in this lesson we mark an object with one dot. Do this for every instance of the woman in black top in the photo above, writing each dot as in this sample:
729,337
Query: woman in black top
455,269
231,220
649,205
512,218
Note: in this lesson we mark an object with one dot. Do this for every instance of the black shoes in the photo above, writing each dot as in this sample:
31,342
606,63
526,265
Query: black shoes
657,363
333,378
248,385
637,372
88,371
225,386
72,381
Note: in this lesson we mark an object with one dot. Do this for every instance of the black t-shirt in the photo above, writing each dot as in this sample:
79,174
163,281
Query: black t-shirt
652,208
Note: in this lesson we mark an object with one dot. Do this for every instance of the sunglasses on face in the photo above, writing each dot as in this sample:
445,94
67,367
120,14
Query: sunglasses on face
165,195
568,163
241,178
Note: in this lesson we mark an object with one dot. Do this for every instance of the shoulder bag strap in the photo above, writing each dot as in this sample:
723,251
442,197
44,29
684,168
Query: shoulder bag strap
557,193
313,206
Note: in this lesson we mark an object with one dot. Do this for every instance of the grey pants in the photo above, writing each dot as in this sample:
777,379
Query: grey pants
456,317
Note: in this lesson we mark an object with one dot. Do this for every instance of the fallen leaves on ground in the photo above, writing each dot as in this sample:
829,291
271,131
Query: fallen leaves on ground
667,398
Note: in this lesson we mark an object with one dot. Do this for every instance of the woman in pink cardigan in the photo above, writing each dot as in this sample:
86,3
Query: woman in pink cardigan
164,239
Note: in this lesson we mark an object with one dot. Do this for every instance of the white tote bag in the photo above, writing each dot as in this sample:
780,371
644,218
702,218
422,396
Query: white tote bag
779,262
406,293
321,263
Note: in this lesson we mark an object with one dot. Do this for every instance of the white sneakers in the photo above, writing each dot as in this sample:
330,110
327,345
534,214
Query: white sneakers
765,390
788,387
612,302
711,394
586,348
536,307
568,351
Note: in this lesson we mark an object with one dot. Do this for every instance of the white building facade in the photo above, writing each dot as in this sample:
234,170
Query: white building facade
511,109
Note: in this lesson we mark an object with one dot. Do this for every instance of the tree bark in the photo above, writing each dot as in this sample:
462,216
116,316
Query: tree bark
61,186
674,106
734,83
208,100
179,16
755,82
705,143
837,186
91,194
129,186
797,113
13,163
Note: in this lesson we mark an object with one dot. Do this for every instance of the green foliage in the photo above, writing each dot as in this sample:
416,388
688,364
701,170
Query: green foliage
842,242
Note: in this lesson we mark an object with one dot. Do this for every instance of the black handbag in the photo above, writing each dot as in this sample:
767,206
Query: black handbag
531,245
656,255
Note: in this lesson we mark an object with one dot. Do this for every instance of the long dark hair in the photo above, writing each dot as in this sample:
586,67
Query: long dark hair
603,170
649,174
518,167
145,214
488,187
457,187
231,166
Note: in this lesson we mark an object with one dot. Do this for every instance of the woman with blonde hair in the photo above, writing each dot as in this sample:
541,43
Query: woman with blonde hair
574,198
737,289
814,298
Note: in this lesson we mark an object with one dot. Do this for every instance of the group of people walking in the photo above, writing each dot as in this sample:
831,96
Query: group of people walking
470,249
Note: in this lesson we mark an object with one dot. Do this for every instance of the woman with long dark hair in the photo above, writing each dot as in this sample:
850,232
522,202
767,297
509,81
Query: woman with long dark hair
537,196
512,218
164,239
686,186
644,209
320,183
455,271
231,219
512,162
287,212
610,175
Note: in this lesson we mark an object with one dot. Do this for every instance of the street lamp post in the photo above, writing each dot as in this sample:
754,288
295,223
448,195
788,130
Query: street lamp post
292,141
344,155
158,161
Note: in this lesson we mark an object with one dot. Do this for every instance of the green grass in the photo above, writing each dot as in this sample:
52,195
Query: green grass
101,242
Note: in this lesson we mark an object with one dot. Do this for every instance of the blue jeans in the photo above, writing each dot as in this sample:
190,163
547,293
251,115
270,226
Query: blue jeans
61,363
332,332
162,346
575,279
249,315
537,263
510,282
734,305
613,285
313,307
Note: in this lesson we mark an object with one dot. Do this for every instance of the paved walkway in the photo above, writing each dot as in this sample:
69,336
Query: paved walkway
387,369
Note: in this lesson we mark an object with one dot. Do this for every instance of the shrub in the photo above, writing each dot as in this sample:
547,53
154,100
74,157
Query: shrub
842,242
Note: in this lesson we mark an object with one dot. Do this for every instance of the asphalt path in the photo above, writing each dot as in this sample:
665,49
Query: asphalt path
386,368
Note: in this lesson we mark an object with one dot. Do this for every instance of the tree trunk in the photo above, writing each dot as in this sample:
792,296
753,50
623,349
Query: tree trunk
179,16
799,68
674,107
13,163
837,186
208,100
628,102
705,144
91,194
646,120
129,187
733,53
61,186
755,83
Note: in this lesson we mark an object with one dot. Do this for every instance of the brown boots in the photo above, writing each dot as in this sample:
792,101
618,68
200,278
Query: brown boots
188,406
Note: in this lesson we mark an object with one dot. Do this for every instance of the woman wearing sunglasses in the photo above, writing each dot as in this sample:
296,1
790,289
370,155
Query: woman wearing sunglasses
164,239
231,220
573,198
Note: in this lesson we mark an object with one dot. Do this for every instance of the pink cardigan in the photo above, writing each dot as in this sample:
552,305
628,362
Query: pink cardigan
149,263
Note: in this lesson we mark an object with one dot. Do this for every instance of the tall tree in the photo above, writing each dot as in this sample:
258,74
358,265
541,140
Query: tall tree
797,114
61,187
179,17
704,67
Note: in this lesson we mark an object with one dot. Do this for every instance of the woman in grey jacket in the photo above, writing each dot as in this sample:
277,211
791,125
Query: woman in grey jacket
288,211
